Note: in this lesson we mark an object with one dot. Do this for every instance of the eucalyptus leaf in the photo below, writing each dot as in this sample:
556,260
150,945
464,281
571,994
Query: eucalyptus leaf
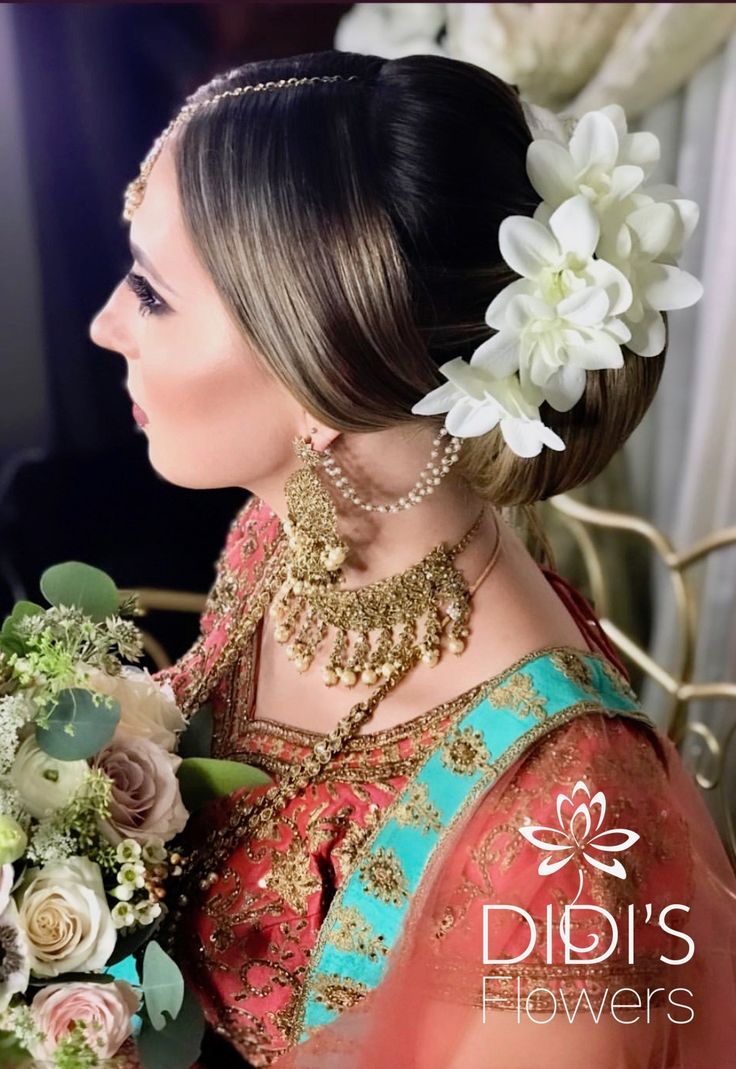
202,779
196,739
178,1044
163,985
89,589
76,728
9,637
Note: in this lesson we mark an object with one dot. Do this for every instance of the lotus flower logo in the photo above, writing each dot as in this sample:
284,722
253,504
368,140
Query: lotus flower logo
578,835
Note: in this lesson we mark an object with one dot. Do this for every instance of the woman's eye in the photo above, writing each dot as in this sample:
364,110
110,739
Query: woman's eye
149,302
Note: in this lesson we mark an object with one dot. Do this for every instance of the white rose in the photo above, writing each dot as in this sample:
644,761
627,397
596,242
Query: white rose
148,709
63,911
44,783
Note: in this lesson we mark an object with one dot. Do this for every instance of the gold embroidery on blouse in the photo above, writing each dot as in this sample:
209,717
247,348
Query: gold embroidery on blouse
351,933
337,992
520,693
417,809
384,877
465,752
573,667
291,877
346,853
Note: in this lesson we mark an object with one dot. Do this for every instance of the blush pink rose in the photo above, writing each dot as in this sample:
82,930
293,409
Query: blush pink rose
146,801
104,1010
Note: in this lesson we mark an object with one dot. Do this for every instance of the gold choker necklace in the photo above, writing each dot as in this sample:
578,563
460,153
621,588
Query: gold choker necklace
378,629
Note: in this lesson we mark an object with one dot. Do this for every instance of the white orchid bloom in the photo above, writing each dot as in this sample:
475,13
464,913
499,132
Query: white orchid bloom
559,319
476,401
645,242
602,161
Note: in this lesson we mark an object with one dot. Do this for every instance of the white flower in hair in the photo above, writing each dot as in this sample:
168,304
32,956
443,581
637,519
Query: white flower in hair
601,161
476,402
559,319
597,266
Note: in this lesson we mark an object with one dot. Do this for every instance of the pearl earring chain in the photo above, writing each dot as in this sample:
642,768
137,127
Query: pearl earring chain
432,475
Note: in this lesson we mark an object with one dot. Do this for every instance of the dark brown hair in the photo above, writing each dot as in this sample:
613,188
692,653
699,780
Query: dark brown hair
351,228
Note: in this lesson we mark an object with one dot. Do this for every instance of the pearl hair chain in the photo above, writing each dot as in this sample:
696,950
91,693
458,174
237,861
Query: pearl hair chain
434,472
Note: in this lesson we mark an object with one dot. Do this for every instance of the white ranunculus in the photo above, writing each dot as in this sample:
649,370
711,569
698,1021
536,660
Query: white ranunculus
63,910
44,783
148,709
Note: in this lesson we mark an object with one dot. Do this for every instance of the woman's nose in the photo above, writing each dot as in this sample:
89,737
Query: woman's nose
107,329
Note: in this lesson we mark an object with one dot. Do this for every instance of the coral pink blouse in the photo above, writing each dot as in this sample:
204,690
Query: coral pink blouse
247,947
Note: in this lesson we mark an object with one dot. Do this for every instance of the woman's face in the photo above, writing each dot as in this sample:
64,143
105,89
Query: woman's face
216,417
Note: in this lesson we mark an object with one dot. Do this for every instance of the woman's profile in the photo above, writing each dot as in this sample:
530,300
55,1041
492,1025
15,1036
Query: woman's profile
477,849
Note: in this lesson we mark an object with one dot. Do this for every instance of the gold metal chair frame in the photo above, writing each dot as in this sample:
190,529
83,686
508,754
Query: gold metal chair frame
711,752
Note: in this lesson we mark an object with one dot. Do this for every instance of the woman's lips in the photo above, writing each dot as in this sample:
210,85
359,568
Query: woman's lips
139,415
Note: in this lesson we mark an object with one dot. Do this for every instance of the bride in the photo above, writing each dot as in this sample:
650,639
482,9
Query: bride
476,850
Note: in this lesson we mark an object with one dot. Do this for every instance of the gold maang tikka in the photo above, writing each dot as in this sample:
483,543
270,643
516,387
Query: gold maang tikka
376,627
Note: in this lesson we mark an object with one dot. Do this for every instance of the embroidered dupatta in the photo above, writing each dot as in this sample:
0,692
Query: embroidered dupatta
424,1006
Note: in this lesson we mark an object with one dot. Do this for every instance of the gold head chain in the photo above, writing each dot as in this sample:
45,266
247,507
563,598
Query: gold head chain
135,190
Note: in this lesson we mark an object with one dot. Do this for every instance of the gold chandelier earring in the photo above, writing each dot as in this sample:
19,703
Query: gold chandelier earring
378,630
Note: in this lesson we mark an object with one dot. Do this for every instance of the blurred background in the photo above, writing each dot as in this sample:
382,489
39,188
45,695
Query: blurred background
85,89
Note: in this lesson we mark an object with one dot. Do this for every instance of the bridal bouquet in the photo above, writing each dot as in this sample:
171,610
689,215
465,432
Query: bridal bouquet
94,788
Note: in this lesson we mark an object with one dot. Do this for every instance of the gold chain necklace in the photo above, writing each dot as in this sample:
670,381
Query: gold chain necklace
200,867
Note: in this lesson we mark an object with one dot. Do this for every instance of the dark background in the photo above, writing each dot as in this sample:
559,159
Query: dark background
97,84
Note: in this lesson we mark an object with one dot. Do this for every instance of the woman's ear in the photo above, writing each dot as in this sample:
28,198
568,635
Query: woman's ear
321,436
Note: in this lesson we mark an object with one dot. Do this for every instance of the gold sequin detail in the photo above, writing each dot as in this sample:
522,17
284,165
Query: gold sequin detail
519,693
465,752
351,933
417,810
384,877
338,993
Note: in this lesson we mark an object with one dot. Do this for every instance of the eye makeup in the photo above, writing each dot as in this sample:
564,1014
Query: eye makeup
149,302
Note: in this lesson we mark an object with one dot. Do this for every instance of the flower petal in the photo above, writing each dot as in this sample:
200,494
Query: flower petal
469,419
437,401
576,227
594,143
648,335
499,355
586,307
526,437
565,388
641,148
624,180
526,245
496,311
665,287
654,227
551,171
614,282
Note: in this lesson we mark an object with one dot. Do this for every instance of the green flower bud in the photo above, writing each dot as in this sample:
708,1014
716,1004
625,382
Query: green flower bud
13,840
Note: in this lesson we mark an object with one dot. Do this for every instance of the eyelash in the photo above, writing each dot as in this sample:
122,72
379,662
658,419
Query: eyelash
148,300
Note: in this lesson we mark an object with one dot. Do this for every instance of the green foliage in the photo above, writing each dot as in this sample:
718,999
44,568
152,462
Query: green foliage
178,1044
88,588
78,725
163,985
203,779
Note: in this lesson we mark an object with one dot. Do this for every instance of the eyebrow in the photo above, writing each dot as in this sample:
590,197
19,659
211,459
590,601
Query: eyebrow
146,264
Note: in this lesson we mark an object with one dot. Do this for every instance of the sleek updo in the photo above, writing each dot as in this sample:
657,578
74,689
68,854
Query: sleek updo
351,229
